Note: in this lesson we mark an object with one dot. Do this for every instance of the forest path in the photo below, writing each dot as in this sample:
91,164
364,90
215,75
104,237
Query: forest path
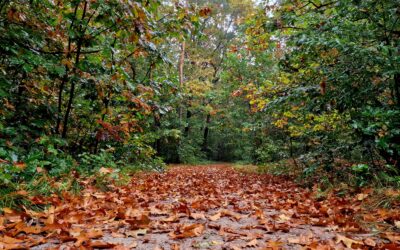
194,207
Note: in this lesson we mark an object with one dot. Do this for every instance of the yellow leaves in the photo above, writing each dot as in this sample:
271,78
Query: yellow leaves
67,62
281,123
289,114
198,88
318,127
361,196
284,79
297,123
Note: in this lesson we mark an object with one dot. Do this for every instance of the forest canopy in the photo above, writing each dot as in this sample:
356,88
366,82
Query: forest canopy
132,85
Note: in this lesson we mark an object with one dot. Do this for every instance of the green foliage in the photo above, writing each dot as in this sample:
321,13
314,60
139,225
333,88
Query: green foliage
270,151
86,85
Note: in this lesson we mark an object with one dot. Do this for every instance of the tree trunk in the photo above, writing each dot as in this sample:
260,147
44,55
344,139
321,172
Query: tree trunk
188,116
73,82
397,88
65,79
180,68
205,134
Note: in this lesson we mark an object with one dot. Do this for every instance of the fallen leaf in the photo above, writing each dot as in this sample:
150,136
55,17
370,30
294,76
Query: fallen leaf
215,217
283,218
10,240
50,216
175,246
172,218
136,233
347,241
140,222
198,216
252,243
104,170
188,231
232,214
117,235
101,244
370,242
133,245
274,245
393,237
361,197
7,210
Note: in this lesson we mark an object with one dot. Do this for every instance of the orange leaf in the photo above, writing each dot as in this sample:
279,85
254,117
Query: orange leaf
189,231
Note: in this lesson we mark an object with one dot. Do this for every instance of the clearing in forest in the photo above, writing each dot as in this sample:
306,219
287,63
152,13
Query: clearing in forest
196,207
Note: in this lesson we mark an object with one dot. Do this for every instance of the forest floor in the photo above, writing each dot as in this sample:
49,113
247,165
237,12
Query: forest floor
200,207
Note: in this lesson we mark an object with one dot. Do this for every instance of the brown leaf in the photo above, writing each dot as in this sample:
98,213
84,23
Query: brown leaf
274,245
117,235
142,221
10,240
347,241
101,244
198,216
175,246
188,231
252,243
215,217
232,214
370,242
393,237
172,218
51,216
133,245
136,233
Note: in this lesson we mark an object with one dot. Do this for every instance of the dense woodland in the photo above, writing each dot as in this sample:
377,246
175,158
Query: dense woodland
309,86
200,124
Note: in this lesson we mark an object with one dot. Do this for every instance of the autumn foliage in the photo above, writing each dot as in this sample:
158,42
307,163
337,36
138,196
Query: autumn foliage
212,206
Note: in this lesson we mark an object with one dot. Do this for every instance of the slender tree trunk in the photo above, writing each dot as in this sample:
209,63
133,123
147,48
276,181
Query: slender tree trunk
157,124
73,82
188,116
180,68
65,79
205,134
291,153
397,88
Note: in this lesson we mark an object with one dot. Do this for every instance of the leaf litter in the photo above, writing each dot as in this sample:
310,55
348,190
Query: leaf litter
195,207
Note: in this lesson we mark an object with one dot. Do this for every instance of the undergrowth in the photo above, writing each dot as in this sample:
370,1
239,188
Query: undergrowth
22,184
379,186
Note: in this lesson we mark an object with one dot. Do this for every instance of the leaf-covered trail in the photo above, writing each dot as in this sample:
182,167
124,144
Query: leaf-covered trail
189,207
